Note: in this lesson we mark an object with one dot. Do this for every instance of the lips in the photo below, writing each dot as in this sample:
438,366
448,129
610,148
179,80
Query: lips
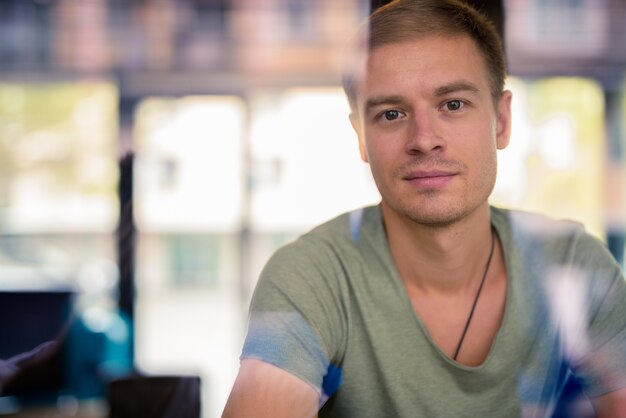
429,179
426,174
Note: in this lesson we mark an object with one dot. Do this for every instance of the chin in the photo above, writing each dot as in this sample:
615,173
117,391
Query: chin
435,220
436,216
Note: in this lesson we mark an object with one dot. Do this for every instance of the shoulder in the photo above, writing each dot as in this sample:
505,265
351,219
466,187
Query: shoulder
556,238
316,261
300,303
532,224
332,240
555,241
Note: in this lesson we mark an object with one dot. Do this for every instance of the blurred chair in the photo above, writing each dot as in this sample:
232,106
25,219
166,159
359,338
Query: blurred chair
155,397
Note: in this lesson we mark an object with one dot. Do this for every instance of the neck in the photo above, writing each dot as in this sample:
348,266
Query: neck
445,258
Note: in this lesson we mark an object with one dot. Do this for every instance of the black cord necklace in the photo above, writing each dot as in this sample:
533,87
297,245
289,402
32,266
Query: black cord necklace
482,281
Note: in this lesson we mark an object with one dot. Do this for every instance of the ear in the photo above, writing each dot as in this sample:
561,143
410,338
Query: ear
503,123
356,125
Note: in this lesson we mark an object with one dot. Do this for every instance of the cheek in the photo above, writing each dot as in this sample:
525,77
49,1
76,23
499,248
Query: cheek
378,160
487,168
378,151
481,155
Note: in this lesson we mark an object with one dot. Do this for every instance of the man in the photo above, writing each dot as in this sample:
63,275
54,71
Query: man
433,303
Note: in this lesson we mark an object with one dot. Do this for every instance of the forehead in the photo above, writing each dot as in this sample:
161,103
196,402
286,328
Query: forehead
423,64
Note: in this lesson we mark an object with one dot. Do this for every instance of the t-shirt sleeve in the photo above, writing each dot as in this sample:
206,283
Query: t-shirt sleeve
296,318
602,366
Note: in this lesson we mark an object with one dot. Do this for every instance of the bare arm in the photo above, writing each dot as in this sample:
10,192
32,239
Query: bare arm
611,405
263,390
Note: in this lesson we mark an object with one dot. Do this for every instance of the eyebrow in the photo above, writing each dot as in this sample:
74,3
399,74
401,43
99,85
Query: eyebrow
382,100
456,87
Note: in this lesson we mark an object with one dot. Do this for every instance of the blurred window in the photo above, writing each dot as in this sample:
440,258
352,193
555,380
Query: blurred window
306,163
189,164
189,189
554,162
558,28
58,182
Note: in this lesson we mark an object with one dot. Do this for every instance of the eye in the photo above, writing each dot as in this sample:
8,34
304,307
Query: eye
453,105
391,114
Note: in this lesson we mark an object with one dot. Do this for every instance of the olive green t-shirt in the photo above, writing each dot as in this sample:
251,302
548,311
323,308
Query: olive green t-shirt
331,309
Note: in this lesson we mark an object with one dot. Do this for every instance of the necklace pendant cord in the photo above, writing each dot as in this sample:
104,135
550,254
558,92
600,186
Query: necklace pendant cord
480,288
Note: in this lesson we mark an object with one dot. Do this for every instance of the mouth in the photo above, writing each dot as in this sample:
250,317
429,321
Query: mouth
425,174
429,179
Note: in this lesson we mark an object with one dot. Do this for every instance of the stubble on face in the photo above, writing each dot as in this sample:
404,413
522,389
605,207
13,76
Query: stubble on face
430,207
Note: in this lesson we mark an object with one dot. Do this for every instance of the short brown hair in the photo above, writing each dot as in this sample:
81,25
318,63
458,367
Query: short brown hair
405,20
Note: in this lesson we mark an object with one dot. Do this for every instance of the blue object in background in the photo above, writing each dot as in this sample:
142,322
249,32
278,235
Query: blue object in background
97,352
84,351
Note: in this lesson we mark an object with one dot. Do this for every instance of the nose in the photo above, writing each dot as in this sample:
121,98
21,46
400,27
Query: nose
424,135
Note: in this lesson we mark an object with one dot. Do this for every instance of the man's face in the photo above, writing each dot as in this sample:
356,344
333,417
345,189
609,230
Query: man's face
429,129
